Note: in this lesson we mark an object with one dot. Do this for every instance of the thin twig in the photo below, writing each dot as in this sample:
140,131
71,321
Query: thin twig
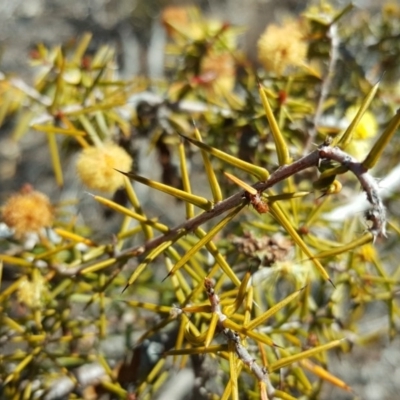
259,372
376,214
326,84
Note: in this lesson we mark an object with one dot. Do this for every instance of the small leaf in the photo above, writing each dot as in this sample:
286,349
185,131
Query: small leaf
219,258
273,310
342,12
13,325
207,238
123,210
346,137
259,337
211,329
240,183
287,196
98,266
185,179
260,173
233,372
90,130
198,201
56,129
114,388
212,179
148,232
366,238
197,350
150,258
380,145
193,336
280,143
55,158
65,234
232,308
324,374
15,260
277,212
81,48
283,362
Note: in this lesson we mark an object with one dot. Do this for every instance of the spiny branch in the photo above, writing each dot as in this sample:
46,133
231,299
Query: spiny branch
231,202
367,182
376,214
233,337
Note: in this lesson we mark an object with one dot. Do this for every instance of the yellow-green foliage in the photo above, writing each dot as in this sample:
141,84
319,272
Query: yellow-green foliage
259,295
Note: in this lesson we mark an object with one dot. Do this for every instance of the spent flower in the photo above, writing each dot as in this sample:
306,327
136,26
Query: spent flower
27,211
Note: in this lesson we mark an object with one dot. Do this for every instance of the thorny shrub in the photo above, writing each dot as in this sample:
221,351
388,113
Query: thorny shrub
254,298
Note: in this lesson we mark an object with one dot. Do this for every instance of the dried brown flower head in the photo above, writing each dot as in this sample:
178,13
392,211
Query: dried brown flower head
27,211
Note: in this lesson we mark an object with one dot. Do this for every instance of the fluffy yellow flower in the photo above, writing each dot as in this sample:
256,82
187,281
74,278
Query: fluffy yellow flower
96,167
280,47
27,211
391,10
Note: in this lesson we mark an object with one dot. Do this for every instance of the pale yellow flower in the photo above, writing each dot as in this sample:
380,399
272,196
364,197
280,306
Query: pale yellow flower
96,167
32,293
367,126
280,47
27,211
391,10
362,134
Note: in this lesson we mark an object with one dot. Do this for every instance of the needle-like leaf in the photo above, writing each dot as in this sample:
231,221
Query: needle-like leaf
198,201
345,139
376,152
207,238
280,143
260,173
283,362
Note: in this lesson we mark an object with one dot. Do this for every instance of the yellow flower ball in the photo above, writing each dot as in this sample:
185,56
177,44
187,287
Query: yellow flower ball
282,46
366,128
96,167
28,211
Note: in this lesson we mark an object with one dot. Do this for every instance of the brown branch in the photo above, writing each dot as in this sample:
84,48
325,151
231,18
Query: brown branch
190,225
377,214
368,183
326,84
